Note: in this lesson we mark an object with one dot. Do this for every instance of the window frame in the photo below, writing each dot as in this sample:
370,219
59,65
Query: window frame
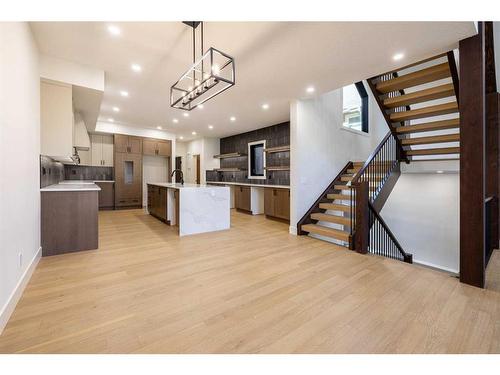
363,94
250,144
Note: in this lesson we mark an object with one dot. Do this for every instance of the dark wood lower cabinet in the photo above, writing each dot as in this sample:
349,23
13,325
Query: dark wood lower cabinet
242,198
157,202
69,221
277,203
106,195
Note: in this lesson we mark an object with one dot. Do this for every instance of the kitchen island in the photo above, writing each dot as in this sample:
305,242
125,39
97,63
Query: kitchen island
192,208
69,218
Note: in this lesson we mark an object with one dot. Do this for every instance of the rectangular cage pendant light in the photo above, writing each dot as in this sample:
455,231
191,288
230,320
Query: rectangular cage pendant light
210,75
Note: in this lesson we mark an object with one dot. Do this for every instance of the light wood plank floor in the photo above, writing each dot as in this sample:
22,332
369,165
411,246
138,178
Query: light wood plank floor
251,289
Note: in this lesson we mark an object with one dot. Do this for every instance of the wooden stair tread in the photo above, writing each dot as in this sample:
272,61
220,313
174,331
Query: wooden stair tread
335,207
339,196
345,187
331,218
354,171
438,92
420,77
325,231
434,151
432,139
346,178
433,110
429,126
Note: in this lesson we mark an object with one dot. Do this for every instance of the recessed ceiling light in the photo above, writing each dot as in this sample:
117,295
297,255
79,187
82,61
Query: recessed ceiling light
185,114
193,133
439,172
175,121
114,30
159,127
111,119
181,137
124,93
201,106
265,106
136,67
232,118
398,56
210,126
116,109
310,89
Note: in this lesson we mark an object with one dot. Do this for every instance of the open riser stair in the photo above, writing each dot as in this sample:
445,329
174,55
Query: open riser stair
420,105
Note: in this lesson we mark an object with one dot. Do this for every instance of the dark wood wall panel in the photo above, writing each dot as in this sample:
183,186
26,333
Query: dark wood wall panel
276,135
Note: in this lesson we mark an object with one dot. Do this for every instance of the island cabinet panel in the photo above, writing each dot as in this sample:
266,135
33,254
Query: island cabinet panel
242,200
157,202
106,195
277,203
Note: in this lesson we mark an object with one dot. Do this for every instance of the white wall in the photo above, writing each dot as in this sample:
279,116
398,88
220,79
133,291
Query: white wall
19,162
320,147
72,73
423,213
206,148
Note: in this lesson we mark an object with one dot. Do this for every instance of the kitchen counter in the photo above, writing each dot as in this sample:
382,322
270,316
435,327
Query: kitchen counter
246,184
67,182
196,208
71,187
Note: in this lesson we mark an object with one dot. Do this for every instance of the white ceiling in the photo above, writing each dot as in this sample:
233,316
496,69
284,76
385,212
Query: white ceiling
275,62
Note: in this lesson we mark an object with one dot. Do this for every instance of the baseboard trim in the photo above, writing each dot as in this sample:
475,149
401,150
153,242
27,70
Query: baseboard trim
15,296
436,267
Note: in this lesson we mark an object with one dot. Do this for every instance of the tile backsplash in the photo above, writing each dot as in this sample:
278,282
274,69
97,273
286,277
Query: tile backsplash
276,135
86,172
51,171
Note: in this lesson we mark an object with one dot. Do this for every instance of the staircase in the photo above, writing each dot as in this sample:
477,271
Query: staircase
331,216
420,104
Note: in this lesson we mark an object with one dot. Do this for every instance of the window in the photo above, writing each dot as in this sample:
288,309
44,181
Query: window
355,107
256,160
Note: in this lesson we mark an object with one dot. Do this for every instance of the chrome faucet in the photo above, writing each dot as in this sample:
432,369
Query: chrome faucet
182,175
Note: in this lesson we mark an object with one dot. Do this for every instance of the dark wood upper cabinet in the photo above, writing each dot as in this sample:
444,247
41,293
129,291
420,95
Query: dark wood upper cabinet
164,148
121,143
156,147
128,144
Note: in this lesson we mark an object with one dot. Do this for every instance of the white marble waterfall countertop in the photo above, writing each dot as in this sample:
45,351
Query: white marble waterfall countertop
83,182
71,187
202,208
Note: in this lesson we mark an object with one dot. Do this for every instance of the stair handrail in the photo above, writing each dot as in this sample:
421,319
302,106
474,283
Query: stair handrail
386,157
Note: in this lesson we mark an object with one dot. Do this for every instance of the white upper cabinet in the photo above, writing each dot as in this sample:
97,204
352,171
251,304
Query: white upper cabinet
81,139
56,117
102,150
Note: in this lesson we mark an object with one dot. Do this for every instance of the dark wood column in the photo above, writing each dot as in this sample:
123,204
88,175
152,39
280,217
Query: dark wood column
362,230
492,134
472,145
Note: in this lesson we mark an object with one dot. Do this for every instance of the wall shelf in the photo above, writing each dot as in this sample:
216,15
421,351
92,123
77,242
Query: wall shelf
229,155
229,170
278,168
278,149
